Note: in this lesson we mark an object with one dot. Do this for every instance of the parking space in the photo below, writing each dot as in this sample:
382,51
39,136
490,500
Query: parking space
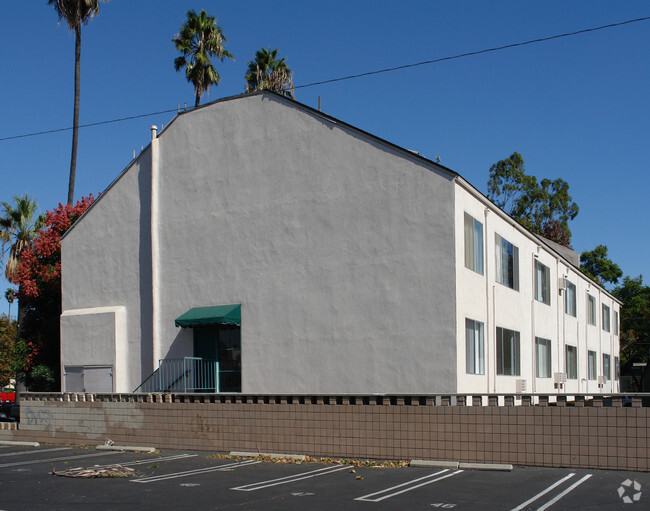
175,479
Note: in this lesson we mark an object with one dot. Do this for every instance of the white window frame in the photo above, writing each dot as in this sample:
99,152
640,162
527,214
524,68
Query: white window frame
543,362
511,341
607,369
616,324
474,347
571,362
606,320
507,262
473,244
570,299
591,309
592,365
542,283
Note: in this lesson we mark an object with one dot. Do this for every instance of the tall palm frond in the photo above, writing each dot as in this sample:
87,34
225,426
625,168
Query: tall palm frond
265,72
75,13
19,224
199,40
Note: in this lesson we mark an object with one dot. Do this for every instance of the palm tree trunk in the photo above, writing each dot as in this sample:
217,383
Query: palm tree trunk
75,120
198,99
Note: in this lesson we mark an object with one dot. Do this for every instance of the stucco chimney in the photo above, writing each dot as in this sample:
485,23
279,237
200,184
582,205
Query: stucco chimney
154,130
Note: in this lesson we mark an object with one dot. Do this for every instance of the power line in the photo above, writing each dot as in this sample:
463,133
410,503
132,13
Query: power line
360,75
471,53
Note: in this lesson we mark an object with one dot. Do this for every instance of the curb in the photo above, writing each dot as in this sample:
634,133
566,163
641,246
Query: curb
21,444
460,466
240,454
124,448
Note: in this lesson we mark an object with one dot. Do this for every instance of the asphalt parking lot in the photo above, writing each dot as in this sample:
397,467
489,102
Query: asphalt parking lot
182,479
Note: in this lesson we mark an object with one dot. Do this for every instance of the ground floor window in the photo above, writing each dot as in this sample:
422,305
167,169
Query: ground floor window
542,357
474,351
571,362
508,352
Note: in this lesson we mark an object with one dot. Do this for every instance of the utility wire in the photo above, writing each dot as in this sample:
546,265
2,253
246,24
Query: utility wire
471,53
360,75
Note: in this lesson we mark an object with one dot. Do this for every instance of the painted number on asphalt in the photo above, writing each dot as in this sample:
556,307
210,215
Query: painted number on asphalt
442,505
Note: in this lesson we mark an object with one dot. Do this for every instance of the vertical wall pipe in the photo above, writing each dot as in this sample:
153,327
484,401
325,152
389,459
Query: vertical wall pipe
155,248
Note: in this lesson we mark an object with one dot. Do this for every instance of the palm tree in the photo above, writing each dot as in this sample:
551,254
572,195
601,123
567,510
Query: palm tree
268,73
199,40
10,296
19,224
75,13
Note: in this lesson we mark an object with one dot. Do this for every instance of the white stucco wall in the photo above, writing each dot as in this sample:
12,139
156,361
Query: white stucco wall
482,298
339,247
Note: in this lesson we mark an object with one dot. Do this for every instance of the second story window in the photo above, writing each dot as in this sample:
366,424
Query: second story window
591,310
606,318
570,299
542,283
473,244
615,323
507,258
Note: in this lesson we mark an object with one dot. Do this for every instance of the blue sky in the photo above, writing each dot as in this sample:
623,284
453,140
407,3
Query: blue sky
576,108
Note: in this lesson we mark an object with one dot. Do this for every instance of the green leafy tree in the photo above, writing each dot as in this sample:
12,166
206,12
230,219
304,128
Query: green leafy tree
75,13
199,40
634,328
8,334
544,207
266,72
598,267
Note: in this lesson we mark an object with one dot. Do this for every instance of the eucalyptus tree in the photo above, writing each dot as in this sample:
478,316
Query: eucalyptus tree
199,40
266,72
75,13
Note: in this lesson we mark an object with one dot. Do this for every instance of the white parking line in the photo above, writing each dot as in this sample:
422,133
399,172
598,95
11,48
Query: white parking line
431,478
35,451
560,495
48,460
150,460
290,479
177,475
542,493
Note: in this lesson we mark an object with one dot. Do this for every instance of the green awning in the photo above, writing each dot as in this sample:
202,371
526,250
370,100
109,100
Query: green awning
216,315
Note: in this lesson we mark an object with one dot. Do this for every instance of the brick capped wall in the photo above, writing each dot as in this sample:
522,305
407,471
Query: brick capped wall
581,433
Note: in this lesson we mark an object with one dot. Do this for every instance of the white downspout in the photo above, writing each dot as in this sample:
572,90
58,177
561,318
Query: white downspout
488,323
155,249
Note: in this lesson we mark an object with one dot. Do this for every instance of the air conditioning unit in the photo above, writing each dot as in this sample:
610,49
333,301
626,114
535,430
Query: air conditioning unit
561,284
559,379
520,386
601,381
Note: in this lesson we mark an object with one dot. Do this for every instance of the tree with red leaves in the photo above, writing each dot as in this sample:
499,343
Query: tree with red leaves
39,281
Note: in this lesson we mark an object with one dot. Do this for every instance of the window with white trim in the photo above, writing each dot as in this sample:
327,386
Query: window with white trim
508,352
606,368
473,244
592,369
570,299
616,326
542,357
542,283
507,261
474,347
606,318
591,309
571,362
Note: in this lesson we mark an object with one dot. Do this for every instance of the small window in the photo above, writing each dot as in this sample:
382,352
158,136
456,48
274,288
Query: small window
571,362
543,357
606,369
591,310
542,283
474,351
473,244
592,364
507,352
507,259
616,323
570,299
606,318
617,369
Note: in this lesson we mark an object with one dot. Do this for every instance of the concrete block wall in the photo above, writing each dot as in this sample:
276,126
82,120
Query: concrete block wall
580,433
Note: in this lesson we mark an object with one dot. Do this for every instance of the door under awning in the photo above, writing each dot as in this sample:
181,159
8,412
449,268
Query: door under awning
215,315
